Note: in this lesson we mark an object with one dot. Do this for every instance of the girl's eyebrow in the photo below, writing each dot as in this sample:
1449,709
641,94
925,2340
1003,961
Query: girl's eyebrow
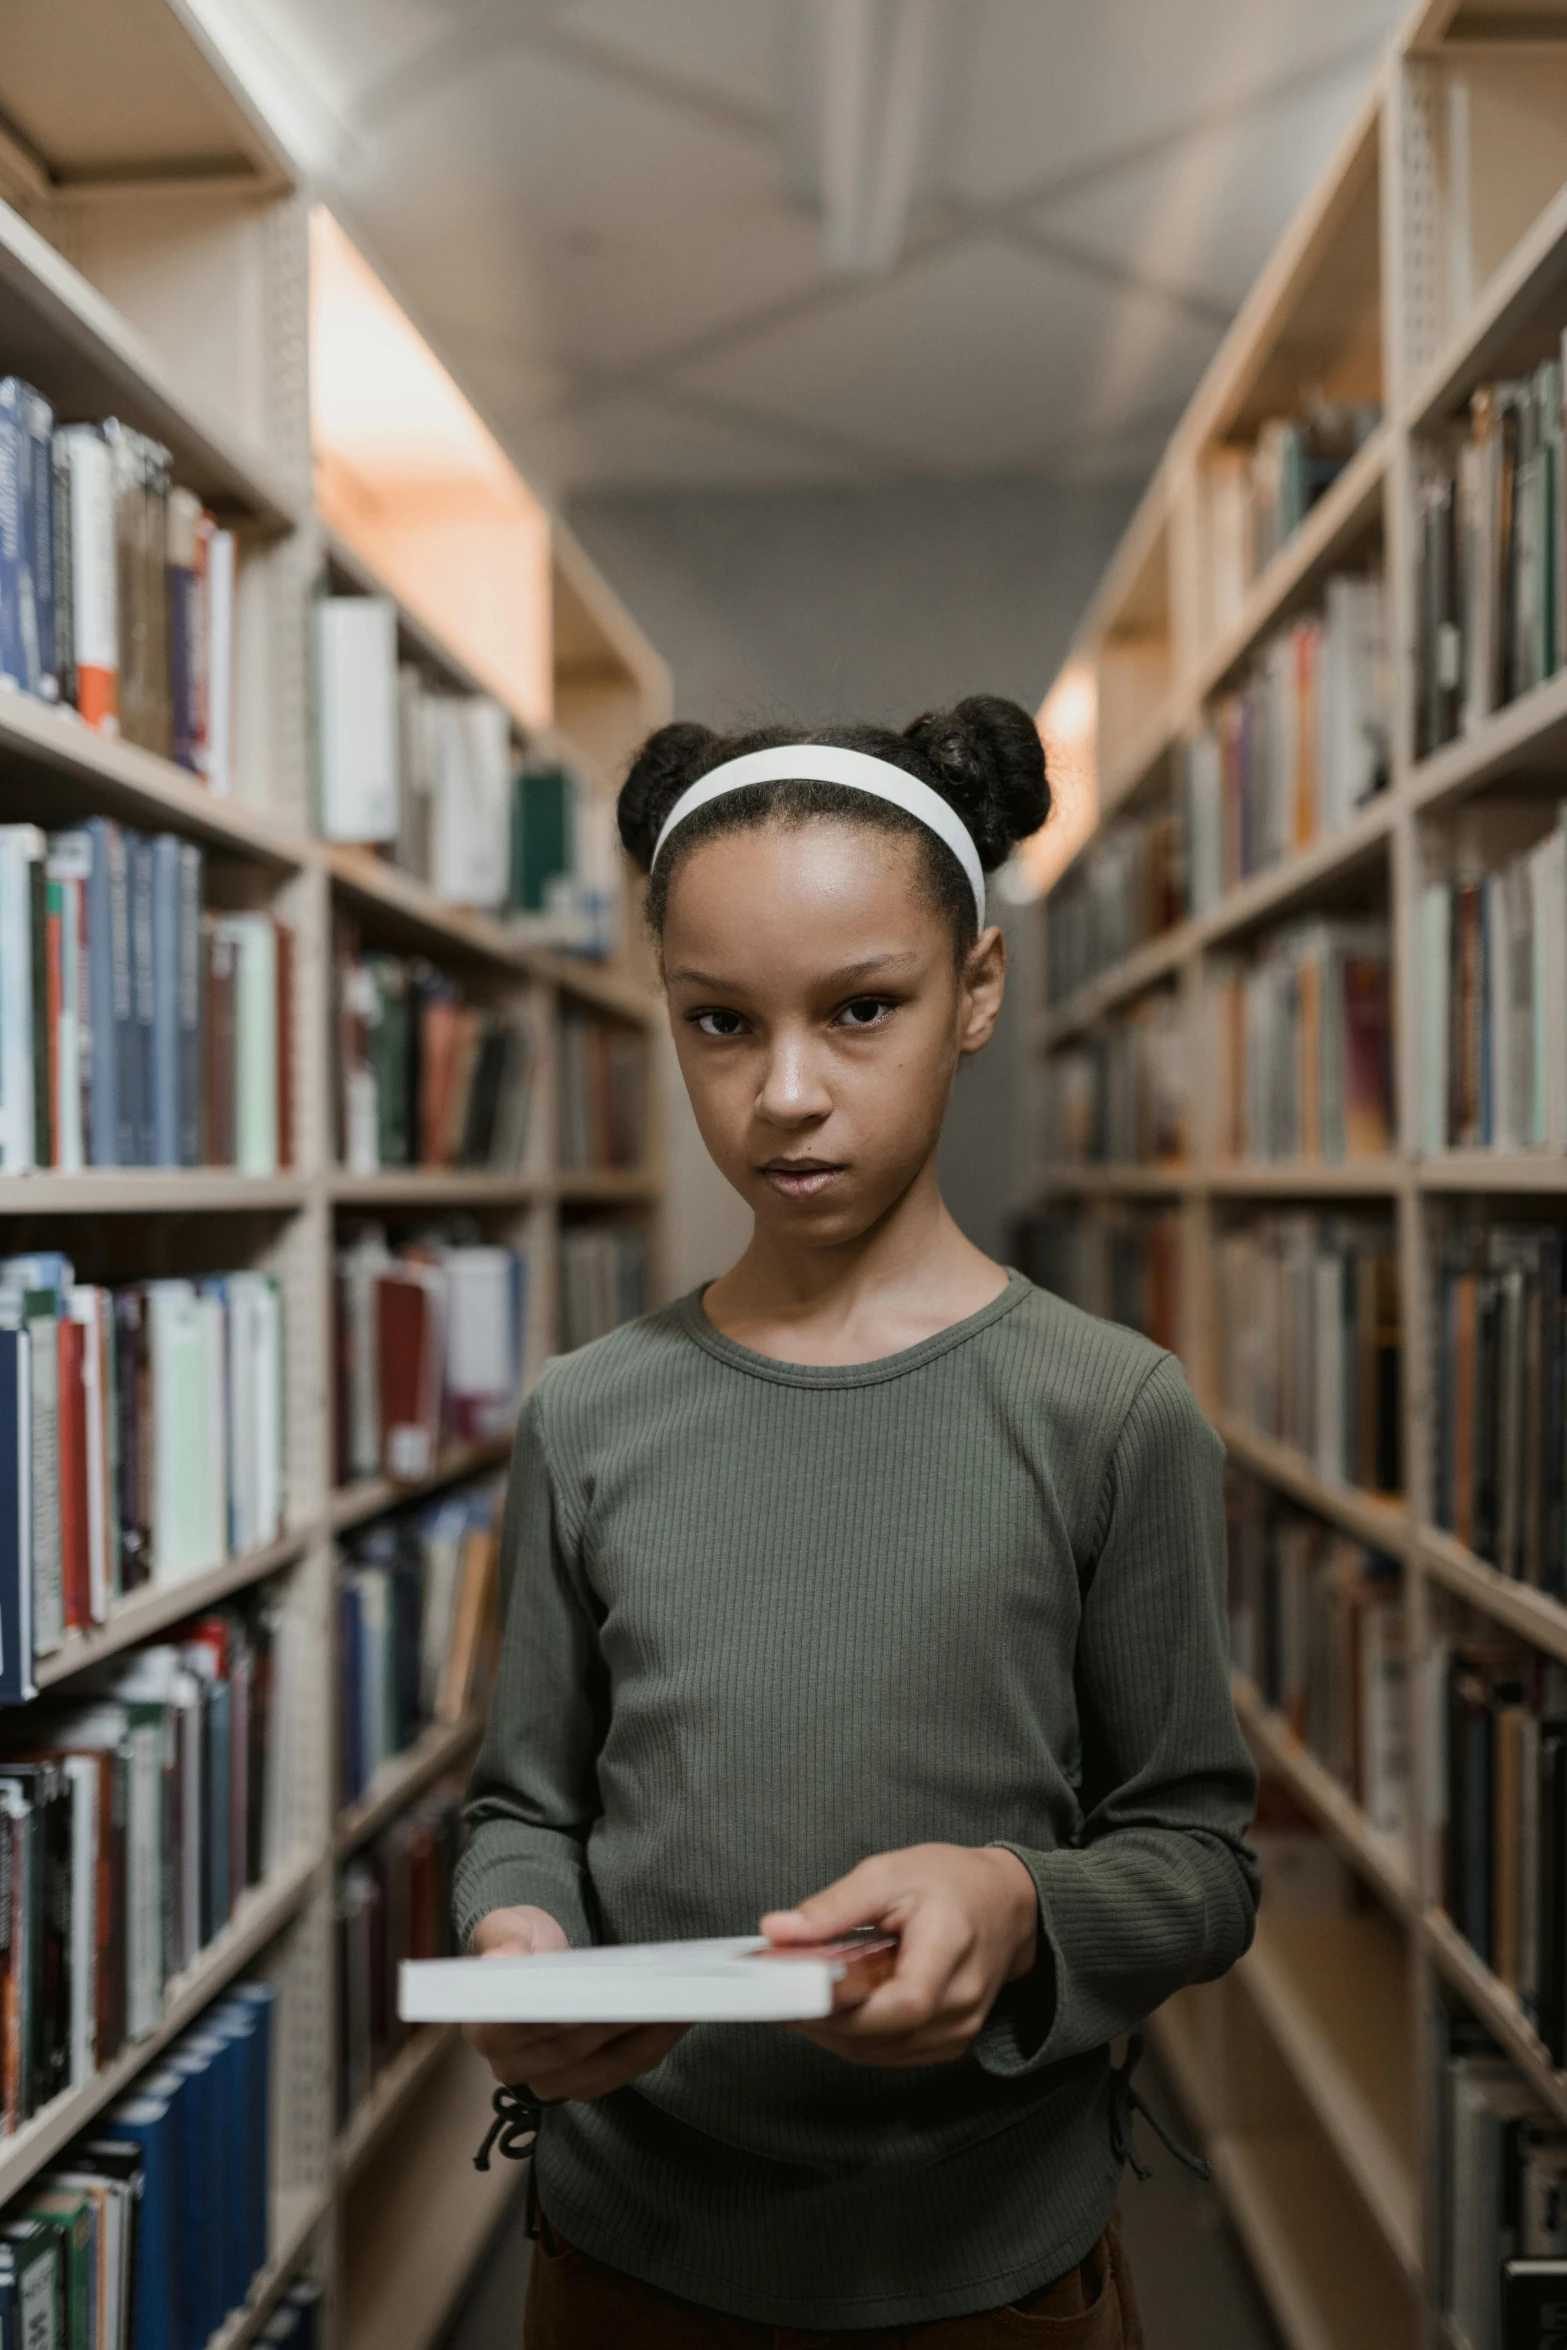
893,960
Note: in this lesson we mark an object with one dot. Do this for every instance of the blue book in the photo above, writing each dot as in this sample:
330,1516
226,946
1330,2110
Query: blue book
261,1999
17,1684
13,657
165,1000
225,2043
242,2021
139,854
149,2121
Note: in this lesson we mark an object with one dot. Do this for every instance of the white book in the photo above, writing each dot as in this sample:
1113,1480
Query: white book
184,1349
470,844
81,1773
356,717
736,1979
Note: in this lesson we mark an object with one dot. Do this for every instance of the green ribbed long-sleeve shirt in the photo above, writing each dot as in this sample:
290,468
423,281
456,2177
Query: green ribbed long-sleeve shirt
763,1620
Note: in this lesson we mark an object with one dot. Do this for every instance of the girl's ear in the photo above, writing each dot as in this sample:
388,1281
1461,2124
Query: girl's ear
669,760
984,985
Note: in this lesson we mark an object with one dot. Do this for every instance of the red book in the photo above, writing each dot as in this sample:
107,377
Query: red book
75,1564
410,1339
1367,1057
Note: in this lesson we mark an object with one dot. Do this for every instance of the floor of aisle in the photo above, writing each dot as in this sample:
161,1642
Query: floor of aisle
1195,2288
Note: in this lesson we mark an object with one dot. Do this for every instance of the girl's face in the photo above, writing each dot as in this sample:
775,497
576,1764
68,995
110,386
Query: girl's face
819,1016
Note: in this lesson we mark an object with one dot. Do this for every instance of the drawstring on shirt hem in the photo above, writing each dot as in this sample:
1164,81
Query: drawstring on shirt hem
1126,2103
514,2129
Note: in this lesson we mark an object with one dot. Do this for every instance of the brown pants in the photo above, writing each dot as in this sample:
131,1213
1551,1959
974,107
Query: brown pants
575,2303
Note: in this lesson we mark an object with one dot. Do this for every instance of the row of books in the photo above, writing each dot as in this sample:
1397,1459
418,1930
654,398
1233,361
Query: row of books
1493,984
149,2230
602,1106
137,1030
117,589
603,1280
1309,1340
1255,499
430,1343
418,1618
1121,1263
1122,1097
394,1901
1501,2182
426,1078
1290,756
1317,1626
141,1441
1126,890
1498,1816
1298,1042
131,1820
1501,1397
1491,523
432,778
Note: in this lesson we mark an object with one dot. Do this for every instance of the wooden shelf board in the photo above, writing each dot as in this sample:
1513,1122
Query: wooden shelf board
1496,2008
1376,1859
1521,1171
351,1505
1142,968
1333,1993
605,990
141,1615
1527,737
1296,2219
606,1183
1267,1178
297,2215
1163,1180
1383,1524
1189,2070
102,775
438,1749
1336,520
1534,1615
61,334
1262,894
430,1187
258,1916
1535,269
389,2094
1248,904
150,1191
415,909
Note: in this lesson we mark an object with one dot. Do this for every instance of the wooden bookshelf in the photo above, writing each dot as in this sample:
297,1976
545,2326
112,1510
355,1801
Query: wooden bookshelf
1328,2182
112,304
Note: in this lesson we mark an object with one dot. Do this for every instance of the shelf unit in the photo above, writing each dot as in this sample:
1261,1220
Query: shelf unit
155,263
1383,289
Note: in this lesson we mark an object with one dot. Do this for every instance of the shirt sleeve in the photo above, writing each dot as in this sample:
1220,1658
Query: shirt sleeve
1158,1888
534,1792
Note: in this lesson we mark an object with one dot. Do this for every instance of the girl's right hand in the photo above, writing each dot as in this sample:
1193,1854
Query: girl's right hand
557,2061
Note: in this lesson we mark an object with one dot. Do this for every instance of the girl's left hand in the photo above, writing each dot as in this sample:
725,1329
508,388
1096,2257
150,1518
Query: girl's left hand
967,1921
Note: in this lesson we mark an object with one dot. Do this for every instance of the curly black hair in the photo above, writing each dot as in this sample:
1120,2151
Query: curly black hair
984,758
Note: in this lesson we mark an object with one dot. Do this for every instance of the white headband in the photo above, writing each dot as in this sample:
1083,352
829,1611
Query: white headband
857,771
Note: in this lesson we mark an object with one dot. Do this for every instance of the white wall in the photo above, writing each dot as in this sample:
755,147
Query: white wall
869,603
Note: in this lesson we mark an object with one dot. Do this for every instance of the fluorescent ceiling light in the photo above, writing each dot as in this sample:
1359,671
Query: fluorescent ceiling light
871,79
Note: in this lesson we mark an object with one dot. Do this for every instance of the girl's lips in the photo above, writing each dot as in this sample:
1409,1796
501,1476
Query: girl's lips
802,1182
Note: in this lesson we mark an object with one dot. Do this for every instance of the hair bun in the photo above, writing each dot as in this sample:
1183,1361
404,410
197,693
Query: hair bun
991,762
666,763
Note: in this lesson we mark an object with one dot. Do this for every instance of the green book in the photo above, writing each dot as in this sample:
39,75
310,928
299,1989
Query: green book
541,846
30,2262
72,2217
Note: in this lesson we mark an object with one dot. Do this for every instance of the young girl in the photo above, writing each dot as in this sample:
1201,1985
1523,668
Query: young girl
869,1585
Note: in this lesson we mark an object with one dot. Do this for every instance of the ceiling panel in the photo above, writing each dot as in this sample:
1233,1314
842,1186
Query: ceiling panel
1207,213
974,359
715,45
657,439
1050,89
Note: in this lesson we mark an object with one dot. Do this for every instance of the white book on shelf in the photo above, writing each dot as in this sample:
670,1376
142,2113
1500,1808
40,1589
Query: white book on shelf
470,847
1435,948
221,620
731,1979
356,717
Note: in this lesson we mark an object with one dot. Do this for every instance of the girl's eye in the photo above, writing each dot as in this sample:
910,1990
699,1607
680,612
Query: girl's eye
720,1023
866,1011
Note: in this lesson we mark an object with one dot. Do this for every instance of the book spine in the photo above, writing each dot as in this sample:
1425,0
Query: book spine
95,588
